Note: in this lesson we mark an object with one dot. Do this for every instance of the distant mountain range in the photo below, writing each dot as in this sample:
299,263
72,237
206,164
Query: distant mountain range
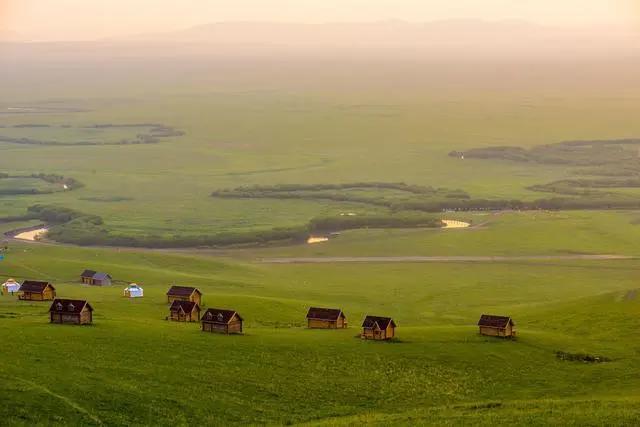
451,32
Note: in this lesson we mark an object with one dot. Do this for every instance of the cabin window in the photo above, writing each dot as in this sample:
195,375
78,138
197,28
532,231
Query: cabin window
71,307
59,306
220,317
209,315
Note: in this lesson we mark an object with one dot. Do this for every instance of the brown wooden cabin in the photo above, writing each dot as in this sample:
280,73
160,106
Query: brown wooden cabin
184,293
497,326
378,328
71,311
35,290
184,311
95,278
221,321
326,318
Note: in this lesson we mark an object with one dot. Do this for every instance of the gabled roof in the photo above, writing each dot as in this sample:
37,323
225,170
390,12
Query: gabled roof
492,321
381,322
329,314
95,275
182,291
88,273
217,315
186,306
35,286
76,306
101,276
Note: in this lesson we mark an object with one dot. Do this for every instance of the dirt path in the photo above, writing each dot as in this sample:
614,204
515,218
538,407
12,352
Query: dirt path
417,259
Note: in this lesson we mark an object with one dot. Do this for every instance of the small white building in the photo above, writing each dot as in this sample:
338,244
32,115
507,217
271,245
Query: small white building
133,291
10,286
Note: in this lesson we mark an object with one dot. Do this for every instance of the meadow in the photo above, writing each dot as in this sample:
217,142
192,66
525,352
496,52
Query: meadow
134,367
316,125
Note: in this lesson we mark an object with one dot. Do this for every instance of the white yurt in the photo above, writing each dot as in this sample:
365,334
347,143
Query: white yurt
10,286
133,291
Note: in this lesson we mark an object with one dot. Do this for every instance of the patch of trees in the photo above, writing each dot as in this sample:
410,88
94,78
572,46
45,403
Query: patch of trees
578,153
156,132
585,187
70,183
331,224
70,226
341,193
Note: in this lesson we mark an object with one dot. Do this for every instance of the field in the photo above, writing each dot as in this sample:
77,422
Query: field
289,124
132,366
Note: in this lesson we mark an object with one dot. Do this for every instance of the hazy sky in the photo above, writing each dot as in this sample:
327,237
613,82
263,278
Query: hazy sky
89,19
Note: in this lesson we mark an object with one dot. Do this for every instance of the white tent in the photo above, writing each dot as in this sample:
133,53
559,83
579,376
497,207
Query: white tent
133,291
10,286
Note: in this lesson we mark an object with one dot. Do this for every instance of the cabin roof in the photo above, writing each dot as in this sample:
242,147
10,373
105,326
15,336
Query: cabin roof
101,276
34,286
181,291
69,306
218,315
382,322
492,321
187,306
88,273
330,314
95,275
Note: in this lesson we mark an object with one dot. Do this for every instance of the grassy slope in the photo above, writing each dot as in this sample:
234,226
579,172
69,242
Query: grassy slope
132,367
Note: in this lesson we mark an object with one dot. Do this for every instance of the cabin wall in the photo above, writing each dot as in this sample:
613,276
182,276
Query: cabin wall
367,333
86,317
49,294
378,334
197,298
492,332
235,327
220,328
321,324
390,332
178,316
70,318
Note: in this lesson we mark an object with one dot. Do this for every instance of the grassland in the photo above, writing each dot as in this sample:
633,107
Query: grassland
133,367
308,124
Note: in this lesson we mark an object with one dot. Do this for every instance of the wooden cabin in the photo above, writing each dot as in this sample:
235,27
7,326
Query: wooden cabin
326,318
184,293
378,328
71,311
497,326
35,290
95,278
184,311
221,321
